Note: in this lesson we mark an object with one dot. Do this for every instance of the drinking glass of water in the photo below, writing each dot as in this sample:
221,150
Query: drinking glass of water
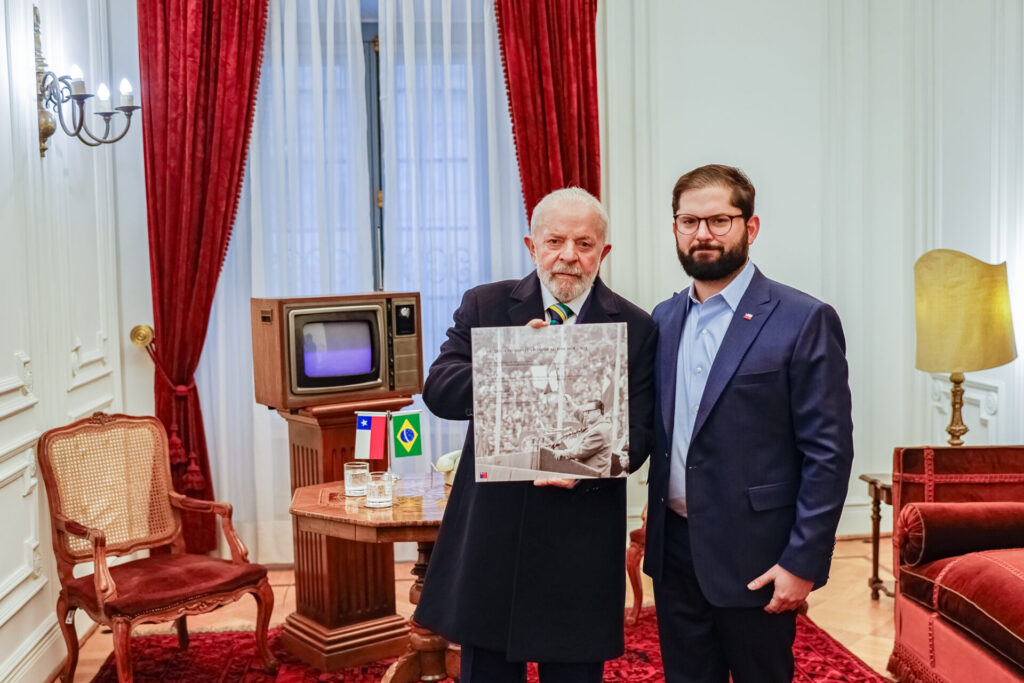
356,476
378,490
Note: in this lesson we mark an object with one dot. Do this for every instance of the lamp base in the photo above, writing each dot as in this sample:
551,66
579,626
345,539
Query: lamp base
956,428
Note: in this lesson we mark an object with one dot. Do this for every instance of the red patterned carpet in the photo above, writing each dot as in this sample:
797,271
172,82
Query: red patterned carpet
229,657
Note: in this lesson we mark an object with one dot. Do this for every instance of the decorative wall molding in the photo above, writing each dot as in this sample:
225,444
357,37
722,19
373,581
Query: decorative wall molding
78,413
18,386
18,445
1007,136
34,658
64,257
27,579
24,371
83,360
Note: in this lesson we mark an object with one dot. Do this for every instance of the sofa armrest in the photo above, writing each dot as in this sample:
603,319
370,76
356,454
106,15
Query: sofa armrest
930,531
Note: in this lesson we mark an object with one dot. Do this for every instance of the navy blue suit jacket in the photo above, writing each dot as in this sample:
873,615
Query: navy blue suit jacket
535,572
772,446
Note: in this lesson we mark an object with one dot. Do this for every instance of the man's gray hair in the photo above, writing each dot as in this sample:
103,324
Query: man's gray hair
569,195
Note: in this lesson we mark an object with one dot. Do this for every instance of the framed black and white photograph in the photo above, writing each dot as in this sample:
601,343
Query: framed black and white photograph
550,402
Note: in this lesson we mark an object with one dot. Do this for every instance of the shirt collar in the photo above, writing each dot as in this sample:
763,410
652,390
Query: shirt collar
576,304
734,291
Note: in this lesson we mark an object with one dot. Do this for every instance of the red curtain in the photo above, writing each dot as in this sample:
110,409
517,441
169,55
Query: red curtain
199,64
548,49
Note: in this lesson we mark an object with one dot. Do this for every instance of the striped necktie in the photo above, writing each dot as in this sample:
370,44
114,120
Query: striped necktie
559,313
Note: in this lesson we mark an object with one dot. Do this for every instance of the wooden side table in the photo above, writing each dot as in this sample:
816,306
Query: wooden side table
880,490
415,516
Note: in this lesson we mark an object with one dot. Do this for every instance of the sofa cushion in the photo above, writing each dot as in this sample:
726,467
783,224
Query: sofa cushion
982,593
154,583
918,582
930,531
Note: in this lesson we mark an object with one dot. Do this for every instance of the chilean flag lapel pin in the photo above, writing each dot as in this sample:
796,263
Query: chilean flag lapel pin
748,316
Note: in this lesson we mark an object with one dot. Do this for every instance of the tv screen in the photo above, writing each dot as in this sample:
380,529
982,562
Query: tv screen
337,349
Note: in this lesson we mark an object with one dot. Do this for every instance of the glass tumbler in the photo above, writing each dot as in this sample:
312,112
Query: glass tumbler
378,490
356,476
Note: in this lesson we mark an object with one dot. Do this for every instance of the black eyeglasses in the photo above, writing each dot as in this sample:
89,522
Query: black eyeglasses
718,224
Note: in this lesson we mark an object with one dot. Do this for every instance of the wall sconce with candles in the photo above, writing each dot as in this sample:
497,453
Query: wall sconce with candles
962,307
53,92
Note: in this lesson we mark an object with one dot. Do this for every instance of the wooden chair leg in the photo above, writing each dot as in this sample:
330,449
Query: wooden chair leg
633,555
264,606
64,611
122,649
182,626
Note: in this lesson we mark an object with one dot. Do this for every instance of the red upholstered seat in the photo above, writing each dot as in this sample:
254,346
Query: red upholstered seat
982,593
155,583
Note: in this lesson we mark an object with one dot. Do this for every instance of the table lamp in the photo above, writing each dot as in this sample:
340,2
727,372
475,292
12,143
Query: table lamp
962,308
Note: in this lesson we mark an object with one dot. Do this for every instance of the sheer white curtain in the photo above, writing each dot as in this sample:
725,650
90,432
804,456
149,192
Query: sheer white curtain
453,210
303,228
453,213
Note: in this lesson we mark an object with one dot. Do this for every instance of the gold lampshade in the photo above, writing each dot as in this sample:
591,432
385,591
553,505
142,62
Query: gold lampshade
963,320
963,313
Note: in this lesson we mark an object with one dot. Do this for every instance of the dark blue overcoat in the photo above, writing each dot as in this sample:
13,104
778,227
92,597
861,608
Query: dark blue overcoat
536,572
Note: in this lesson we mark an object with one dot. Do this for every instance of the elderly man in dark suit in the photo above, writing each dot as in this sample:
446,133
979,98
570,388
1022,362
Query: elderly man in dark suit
523,572
753,446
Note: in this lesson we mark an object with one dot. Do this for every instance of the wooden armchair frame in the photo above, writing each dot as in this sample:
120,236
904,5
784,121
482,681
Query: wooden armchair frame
140,445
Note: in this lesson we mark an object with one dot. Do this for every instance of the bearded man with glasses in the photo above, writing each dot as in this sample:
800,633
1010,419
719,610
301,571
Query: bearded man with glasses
753,446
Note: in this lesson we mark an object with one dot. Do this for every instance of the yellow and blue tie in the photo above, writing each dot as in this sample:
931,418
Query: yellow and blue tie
559,313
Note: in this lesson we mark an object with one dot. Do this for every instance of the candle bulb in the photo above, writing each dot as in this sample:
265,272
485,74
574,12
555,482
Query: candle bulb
127,99
77,81
103,93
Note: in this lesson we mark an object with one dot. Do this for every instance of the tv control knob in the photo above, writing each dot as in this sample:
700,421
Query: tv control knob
405,311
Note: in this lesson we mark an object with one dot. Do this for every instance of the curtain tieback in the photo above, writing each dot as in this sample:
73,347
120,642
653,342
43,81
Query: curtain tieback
175,445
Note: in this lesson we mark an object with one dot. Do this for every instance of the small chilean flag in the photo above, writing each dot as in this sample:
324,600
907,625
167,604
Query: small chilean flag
371,436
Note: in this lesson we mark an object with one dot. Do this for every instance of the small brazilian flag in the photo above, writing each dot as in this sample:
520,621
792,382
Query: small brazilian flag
406,434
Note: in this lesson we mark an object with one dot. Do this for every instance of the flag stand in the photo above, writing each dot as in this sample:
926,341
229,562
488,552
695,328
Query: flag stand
391,447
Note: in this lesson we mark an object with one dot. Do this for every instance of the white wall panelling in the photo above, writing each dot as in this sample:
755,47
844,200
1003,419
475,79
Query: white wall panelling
33,658
61,300
873,132
21,566
923,164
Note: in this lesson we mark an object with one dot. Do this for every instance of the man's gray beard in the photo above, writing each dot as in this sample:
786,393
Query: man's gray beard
566,293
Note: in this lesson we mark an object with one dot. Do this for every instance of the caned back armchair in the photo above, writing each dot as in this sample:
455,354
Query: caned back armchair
108,484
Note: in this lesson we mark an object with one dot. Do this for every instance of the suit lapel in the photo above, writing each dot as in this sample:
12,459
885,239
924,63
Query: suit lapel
670,332
758,302
527,303
600,306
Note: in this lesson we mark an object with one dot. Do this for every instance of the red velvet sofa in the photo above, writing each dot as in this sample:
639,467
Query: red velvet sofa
959,563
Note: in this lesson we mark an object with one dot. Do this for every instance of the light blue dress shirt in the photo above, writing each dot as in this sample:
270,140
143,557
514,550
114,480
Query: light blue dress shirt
703,330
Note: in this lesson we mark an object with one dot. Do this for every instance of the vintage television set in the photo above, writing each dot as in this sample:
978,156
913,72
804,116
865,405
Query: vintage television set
336,349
